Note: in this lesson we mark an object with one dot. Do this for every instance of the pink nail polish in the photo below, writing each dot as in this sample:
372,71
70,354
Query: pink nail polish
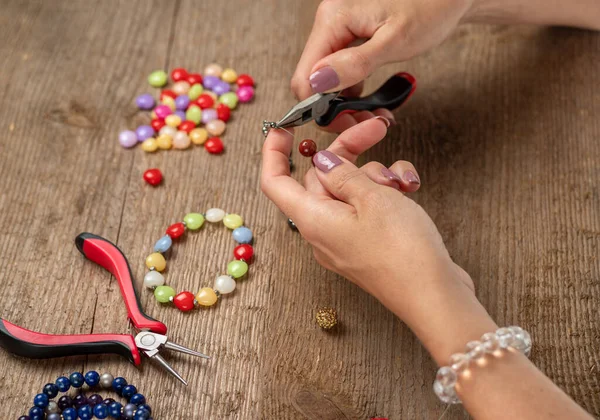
392,176
325,161
411,178
324,79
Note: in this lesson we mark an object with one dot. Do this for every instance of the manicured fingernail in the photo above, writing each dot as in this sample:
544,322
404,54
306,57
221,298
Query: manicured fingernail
325,161
324,79
411,178
392,176
385,120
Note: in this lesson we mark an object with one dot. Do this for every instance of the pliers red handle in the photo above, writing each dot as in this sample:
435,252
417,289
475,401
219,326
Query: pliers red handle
149,340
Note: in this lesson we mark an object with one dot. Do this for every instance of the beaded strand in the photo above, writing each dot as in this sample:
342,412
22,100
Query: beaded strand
224,284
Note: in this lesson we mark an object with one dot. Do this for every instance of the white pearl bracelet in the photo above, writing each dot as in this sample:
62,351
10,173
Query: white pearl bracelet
445,380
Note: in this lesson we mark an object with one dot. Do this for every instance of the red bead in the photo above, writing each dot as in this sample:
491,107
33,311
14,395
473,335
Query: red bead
223,112
187,126
205,101
307,148
184,301
214,145
179,74
176,230
153,177
157,124
167,92
194,78
245,80
243,252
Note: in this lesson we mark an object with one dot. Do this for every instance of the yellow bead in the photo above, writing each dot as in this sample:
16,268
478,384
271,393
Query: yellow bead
233,221
157,261
168,101
173,120
149,145
153,115
164,141
198,135
206,297
229,75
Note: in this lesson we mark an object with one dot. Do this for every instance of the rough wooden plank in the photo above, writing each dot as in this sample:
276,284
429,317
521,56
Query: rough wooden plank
503,130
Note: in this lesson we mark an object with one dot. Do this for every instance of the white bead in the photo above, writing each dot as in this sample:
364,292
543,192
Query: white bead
106,380
505,337
476,350
527,343
167,129
459,362
446,377
214,215
225,284
153,279
490,342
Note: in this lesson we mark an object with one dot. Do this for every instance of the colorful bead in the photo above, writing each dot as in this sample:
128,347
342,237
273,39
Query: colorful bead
184,301
242,235
195,91
245,93
153,176
221,88
245,80
167,92
145,101
156,261
209,115
206,297
144,132
243,252
237,268
162,111
128,391
198,135
225,284
128,138
187,126
163,244
194,79
41,400
213,70
213,95
168,130
170,102
63,384
230,99
149,145
181,140
307,148
101,411
180,114
157,78
210,82
178,74
194,113
76,379
176,230
214,145
215,215
173,121
205,101
182,102
181,88
153,279
193,221
164,294
215,127
233,221
92,378
164,141
229,75
157,124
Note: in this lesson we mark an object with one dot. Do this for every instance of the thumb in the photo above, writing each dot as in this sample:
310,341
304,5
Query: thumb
341,178
348,67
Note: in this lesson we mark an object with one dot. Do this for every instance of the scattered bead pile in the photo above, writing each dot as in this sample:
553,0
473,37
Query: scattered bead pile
224,284
84,407
194,110
445,380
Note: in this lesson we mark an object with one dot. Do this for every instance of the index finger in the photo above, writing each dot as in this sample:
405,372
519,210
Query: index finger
275,179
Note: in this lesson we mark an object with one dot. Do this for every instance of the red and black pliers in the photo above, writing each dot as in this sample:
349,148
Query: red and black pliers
324,107
150,339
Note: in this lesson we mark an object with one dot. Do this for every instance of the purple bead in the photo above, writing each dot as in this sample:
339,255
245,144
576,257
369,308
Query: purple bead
128,138
209,82
245,93
209,114
221,88
182,102
80,400
108,401
95,399
145,101
144,132
180,114
65,402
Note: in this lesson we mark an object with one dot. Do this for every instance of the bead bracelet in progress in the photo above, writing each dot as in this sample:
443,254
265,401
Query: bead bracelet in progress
504,338
224,284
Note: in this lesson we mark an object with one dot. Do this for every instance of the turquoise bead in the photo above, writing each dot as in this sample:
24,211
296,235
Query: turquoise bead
242,235
163,244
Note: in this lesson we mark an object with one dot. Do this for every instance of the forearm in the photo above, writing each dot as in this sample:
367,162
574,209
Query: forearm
577,13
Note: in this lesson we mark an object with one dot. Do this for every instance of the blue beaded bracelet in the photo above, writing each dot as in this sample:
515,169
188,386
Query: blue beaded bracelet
81,407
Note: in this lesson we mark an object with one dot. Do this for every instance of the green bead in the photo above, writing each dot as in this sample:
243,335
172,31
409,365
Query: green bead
164,294
237,269
193,221
158,78
230,99
195,91
194,113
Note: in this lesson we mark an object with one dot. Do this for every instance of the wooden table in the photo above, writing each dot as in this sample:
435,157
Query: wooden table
505,132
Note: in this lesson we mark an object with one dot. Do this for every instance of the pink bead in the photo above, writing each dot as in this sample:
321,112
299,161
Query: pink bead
245,93
162,111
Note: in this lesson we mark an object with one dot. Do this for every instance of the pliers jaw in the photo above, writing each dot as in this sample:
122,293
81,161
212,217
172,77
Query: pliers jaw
307,110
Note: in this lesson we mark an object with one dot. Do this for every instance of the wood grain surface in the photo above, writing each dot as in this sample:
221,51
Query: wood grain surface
504,130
